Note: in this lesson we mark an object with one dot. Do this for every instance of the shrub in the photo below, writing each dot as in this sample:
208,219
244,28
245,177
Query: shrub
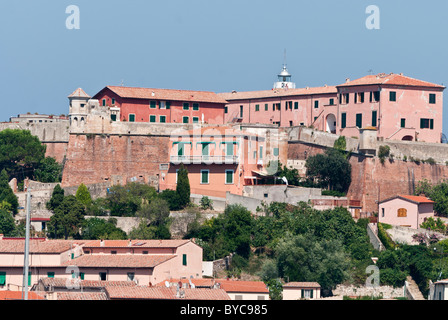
383,152
206,203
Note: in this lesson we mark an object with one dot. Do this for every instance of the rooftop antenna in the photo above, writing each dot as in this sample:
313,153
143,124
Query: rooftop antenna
122,82
370,71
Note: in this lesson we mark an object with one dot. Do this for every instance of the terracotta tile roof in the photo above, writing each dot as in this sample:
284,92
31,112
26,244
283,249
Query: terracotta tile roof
415,199
301,285
37,246
227,285
135,243
389,79
118,260
273,93
166,94
164,293
62,283
79,93
17,295
81,296
418,199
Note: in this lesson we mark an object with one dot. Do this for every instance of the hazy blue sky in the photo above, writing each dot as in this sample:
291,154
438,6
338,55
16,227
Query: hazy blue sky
209,45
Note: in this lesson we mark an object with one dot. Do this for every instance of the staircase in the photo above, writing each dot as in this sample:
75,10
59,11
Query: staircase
412,290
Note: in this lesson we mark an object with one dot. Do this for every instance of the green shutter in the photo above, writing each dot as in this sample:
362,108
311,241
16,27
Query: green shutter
185,119
168,104
374,118
226,109
184,259
296,105
2,278
266,107
152,118
204,176
275,151
152,104
186,106
403,123
311,295
195,106
261,152
343,120
131,117
81,274
303,293
257,107
432,98
195,120
50,274
162,119
29,278
229,149
431,123
359,120
113,117
392,96
229,176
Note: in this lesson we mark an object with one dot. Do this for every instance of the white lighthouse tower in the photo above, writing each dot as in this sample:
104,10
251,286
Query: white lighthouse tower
284,79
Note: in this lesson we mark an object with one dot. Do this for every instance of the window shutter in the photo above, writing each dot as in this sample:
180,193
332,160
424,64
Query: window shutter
303,293
431,123
168,104
2,278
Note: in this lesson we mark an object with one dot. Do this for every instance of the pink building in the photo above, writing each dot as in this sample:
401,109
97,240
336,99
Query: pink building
144,261
400,107
405,210
162,105
218,160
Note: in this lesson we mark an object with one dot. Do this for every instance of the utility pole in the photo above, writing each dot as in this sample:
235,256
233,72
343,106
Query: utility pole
27,247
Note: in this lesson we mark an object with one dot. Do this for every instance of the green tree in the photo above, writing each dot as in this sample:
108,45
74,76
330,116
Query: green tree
275,288
331,170
20,153
143,231
173,199
122,202
97,228
67,219
437,193
7,194
56,199
7,225
83,195
48,170
157,212
183,186
292,175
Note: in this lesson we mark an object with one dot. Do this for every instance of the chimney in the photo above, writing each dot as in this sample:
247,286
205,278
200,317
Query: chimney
1,236
347,80
129,243
101,243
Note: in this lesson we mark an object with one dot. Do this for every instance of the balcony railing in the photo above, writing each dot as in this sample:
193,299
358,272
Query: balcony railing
204,159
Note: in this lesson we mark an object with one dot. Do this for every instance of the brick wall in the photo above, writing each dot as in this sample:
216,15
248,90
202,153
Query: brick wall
114,158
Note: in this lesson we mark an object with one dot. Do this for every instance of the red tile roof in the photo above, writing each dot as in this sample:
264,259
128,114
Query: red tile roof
389,79
81,296
17,295
62,283
118,260
135,243
417,199
235,95
301,285
166,94
164,293
37,246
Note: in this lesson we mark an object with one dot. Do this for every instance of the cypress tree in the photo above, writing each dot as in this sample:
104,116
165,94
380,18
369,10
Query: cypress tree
183,186
6,193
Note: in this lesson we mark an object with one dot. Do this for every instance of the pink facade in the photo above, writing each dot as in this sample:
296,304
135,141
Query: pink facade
218,160
406,211
400,107
145,261
162,105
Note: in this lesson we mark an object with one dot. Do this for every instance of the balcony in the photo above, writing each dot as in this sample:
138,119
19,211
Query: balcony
204,159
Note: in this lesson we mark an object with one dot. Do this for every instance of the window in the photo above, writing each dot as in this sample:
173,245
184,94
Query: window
260,297
113,117
316,104
343,120
162,119
296,105
344,98
359,120
229,149
226,110
168,104
152,118
290,105
359,97
113,252
275,152
265,195
186,106
103,276
185,119
195,119
152,104
104,102
261,152
403,123
113,102
426,123
2,278
432,98
81,275
229,176
145,252
50,274
83,105
184,259
195,106
241,111
402,213
392,96
238,297
266,107
257,107
204,176
374,118
162,105
382,212
374,96
131,117
131,276
331,102
205,149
